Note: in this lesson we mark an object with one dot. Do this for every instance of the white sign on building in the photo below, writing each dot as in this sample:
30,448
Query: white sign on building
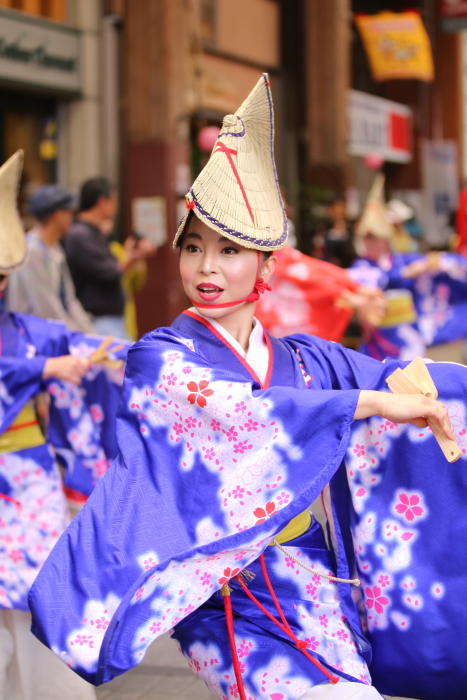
36,52
150,219
440,189
376,125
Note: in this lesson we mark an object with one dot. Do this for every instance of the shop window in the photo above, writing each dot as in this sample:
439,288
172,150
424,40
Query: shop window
208,20
29,124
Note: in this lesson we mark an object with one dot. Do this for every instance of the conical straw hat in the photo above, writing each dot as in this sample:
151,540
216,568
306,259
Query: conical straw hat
374,219
237,193
13,251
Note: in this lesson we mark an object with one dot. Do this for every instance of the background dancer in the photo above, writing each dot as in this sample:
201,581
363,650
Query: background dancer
35,355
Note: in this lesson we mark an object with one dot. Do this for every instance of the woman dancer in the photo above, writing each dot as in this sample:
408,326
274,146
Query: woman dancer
226,436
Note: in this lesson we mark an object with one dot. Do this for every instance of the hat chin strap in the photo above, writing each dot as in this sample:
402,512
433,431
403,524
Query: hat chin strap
259,288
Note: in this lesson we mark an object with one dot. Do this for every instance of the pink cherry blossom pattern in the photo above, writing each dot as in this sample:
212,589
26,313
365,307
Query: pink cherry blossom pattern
244,648
283,498
238,492
102,623
198,394
409,506
264,514
359,450
375,599
312,643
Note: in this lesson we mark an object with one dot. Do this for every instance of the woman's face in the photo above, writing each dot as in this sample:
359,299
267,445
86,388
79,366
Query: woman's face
215,270
373,247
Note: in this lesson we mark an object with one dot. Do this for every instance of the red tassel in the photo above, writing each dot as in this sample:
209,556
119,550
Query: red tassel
190,205
259,288
233,649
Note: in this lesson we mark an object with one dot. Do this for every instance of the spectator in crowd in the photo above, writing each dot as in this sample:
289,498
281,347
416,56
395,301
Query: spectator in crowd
134,278
338,240
97,274
43,287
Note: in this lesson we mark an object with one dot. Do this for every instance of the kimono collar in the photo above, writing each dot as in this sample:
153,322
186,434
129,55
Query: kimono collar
257,355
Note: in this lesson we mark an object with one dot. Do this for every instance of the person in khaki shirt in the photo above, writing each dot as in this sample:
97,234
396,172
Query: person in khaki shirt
44,287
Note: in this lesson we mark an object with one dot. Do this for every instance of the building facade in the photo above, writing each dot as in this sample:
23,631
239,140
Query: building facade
124,89
55,59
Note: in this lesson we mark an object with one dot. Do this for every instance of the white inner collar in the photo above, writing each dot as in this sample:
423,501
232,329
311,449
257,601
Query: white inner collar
258,353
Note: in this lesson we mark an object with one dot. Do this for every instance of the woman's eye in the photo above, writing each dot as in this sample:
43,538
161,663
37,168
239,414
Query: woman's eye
191,248
230,251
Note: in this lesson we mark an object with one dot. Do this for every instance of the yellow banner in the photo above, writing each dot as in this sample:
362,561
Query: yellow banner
397,46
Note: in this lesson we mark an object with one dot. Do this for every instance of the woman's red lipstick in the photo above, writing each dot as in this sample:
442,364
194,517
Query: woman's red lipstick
208,291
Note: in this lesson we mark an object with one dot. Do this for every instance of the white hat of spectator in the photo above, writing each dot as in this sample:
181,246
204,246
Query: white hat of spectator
13,250
397,211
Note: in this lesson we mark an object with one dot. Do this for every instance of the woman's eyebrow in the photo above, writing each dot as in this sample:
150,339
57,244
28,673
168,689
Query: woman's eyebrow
223,239
192,234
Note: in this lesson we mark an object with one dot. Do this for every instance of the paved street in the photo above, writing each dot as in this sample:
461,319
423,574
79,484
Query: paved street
162,675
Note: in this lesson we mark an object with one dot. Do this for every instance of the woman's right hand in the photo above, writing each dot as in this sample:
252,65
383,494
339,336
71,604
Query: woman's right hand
68,368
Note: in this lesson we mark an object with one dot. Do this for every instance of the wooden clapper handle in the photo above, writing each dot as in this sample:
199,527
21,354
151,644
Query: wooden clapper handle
101,355
416,379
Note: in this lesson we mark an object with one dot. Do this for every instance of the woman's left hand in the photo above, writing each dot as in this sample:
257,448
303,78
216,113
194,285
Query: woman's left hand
404,408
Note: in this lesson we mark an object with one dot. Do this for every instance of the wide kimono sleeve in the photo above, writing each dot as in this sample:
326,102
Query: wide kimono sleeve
20,380
210,469
81,425
396,515
82,418
329,365
21,376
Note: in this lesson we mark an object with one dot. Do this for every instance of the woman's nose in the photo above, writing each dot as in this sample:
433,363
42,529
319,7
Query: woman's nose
208,264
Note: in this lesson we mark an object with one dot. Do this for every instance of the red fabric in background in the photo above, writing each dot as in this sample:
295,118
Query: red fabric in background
304,292
461,223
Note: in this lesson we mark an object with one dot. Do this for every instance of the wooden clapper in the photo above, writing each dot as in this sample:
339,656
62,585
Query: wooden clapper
101,355
416,379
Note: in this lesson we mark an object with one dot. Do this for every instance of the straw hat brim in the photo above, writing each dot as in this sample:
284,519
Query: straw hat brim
13,248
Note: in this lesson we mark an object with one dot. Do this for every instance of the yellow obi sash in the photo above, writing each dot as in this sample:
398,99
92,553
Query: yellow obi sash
24,432
400,309
295,528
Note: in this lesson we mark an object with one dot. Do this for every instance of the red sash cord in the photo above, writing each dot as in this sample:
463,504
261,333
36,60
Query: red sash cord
20,426
10,500
285,627
233,648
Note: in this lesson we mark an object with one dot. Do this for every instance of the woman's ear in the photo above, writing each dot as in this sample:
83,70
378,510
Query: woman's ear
268,267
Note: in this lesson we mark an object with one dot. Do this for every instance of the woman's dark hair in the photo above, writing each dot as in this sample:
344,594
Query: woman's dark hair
92,191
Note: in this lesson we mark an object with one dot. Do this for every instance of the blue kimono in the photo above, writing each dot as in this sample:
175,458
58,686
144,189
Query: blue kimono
213,465
34,512
440,301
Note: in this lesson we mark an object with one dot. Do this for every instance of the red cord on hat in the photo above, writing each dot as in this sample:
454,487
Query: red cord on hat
260,287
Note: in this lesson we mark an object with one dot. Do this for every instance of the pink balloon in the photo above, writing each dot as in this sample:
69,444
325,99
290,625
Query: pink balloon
207,137
373,161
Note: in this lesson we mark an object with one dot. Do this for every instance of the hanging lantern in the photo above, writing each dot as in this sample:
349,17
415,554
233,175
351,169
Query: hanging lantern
207,137
373,161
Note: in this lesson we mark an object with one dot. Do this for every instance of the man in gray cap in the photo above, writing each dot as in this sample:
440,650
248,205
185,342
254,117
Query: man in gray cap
43,287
